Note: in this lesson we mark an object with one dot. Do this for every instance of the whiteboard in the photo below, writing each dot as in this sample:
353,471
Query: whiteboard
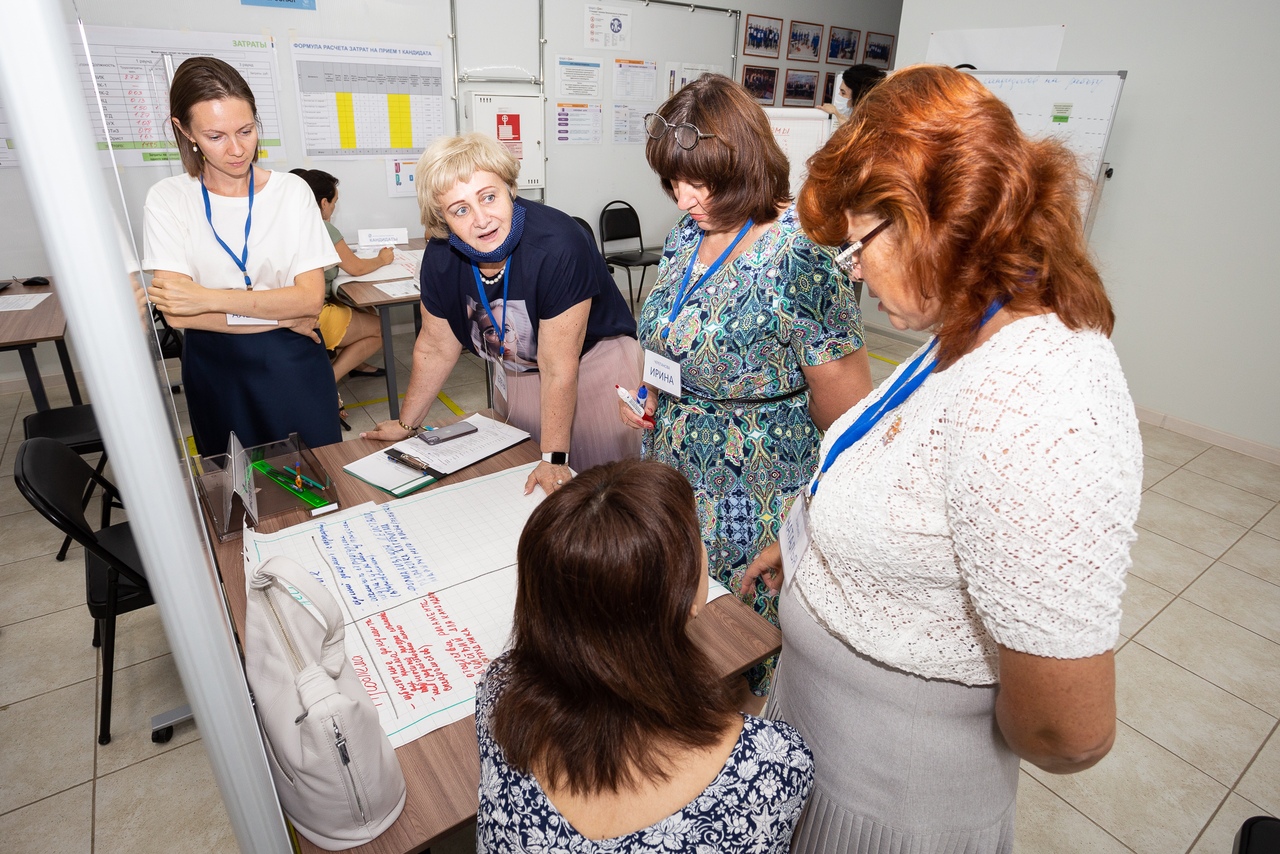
800,131
1076,108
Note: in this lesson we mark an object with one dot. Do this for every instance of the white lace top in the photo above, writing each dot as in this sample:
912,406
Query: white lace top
995,506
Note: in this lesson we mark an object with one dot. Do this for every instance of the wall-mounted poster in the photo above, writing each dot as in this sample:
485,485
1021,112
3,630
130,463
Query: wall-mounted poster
842,46
801,88
805,42
878,51
763,36
829,88
761,82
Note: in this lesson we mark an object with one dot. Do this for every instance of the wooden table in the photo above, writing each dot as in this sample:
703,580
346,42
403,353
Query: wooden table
367,295
442,768
23,330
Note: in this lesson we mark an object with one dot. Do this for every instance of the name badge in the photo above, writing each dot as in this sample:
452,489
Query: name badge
499,379
794,539
246,320
661,372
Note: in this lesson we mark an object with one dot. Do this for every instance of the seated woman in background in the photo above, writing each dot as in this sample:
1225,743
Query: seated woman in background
355,335
567,336
604,727
959,601
764,328
238,256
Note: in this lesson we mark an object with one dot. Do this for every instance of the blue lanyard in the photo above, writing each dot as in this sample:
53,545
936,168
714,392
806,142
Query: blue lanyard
682,296
906,383
484,301
243,260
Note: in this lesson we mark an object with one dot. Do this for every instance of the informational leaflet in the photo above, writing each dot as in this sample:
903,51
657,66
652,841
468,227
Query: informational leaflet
427,587
628,123
607,27
8,158
579,77
579,124
635,78
400,177
365,99
126,69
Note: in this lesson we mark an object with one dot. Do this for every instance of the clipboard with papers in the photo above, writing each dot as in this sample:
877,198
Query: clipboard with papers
379,470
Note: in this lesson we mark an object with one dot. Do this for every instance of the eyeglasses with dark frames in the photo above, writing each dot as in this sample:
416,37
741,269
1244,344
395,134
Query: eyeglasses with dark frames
687,135
851,253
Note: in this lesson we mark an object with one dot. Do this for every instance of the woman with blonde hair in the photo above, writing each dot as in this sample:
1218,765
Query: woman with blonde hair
969,529
531,271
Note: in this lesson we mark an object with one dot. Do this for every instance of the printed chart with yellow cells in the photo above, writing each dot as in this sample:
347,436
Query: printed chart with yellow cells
368,100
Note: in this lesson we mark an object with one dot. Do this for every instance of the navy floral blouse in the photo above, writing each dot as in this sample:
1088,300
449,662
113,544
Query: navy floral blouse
751,806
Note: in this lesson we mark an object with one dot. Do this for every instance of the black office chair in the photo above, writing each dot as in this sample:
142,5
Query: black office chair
619,221
75,427
591,232
52,477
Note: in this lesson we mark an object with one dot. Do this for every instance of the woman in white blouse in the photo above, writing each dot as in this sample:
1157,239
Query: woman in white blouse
959,598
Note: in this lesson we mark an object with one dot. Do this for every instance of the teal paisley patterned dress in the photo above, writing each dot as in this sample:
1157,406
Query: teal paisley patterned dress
741,432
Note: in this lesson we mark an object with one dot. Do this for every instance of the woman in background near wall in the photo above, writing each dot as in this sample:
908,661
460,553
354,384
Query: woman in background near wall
758,322
855,82
958,604
238,256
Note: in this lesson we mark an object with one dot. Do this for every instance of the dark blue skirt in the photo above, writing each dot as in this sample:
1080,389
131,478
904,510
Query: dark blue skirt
263,386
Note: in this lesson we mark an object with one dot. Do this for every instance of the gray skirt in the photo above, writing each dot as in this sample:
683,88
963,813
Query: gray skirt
904,765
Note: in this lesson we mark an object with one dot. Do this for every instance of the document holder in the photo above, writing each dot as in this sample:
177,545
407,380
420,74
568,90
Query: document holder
270,479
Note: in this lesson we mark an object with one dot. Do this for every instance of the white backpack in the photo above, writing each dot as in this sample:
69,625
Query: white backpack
336,773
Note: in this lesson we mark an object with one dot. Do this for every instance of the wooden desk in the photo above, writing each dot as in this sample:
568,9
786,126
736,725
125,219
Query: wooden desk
367,295
23,330
442,769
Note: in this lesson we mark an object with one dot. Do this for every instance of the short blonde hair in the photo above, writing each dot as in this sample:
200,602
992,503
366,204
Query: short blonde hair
451,159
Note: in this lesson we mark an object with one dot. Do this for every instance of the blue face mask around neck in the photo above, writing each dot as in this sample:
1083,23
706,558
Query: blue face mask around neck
507,247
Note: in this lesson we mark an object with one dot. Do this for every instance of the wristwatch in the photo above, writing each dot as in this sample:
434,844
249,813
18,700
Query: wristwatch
556,458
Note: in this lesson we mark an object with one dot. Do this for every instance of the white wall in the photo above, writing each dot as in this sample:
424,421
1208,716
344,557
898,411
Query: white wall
1187,232
581,179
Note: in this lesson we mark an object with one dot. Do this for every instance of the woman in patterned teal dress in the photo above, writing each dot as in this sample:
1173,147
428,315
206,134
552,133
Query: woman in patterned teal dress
764,327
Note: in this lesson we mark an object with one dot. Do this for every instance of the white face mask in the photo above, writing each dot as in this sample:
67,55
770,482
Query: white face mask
843,108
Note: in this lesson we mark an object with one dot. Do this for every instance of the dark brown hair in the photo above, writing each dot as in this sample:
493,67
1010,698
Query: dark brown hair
860,78
323,185
743,168
604,680
980,211
198,79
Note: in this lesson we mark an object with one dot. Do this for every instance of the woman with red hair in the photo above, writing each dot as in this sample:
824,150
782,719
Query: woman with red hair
969,529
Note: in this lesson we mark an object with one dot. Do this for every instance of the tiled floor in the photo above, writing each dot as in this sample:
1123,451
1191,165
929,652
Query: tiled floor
1198,673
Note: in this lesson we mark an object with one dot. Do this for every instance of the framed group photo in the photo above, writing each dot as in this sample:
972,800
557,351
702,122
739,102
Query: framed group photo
761,82
763,36
842,46
878,50
801,88
804,44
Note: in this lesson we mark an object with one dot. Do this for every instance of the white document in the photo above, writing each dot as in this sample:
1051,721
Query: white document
404,266
635,78
400,177
606,27
21,302
427,587
400,288
578,76
628,123
490,438
579,124
246,320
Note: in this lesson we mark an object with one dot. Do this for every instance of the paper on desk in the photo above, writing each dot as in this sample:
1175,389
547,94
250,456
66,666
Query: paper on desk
427,587
21,302
401,288
378,470
715,590
490,438
404,266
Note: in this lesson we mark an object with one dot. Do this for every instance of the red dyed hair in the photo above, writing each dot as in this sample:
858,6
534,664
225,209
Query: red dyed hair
980,211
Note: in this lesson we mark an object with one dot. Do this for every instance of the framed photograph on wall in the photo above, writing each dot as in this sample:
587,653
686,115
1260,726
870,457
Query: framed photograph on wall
829,88
805,42
842,46
878,50
763,36
761,82
801,88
